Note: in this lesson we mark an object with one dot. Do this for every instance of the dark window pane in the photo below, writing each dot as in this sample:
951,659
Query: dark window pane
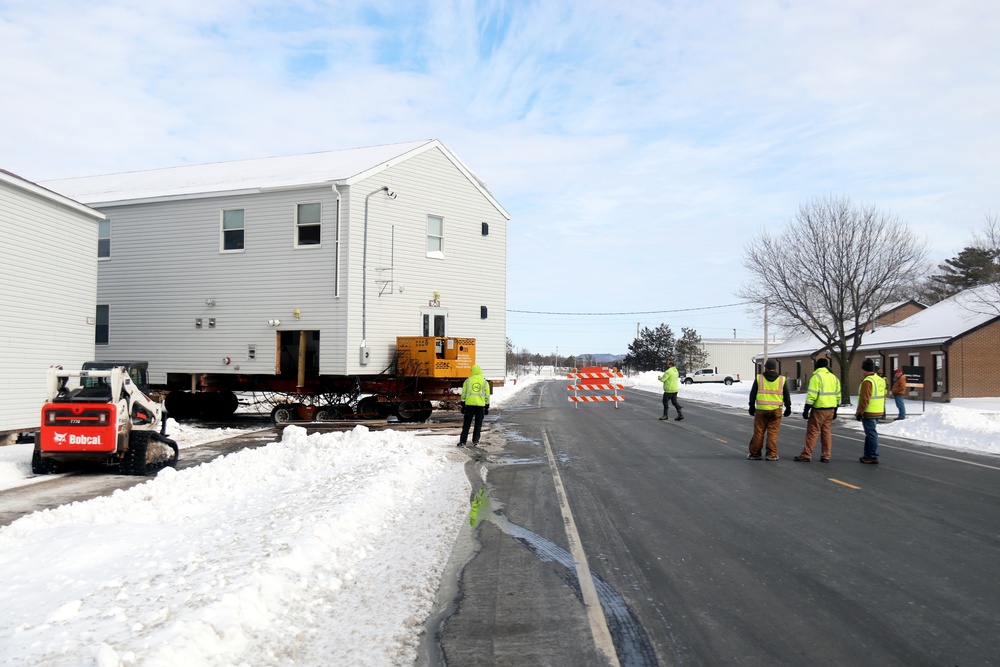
309,235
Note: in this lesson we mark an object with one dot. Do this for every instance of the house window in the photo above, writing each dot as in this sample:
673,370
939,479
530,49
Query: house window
102,333
938,361
914,359
308,224
437,321
893,364
435,236
104,239
233,228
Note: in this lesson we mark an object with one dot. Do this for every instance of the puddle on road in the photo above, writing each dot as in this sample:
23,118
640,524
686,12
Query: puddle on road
632,644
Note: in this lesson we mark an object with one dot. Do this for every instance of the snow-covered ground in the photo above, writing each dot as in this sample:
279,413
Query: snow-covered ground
315,550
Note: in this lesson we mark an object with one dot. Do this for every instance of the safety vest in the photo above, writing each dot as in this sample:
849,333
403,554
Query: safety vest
876,404
770,395
476,391
824,389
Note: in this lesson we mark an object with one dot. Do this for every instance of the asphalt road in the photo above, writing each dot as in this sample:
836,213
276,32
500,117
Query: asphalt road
701,557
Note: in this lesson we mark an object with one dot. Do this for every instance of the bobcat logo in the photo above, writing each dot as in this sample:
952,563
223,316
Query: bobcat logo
59,438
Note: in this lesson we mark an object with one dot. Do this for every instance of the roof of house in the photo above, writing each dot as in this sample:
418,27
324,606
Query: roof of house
13,180
341,167
934,325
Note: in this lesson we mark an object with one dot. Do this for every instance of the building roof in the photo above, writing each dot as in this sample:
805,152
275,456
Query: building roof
934,325
341,167
13,180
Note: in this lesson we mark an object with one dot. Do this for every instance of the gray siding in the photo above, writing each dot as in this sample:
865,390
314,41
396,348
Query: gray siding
471,273
166,262
48,289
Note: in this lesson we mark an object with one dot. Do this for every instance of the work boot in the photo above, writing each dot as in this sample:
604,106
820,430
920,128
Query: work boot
664,417
679,416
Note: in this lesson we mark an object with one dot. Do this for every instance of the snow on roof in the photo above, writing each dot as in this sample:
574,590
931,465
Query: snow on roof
237,176
13,180
934,325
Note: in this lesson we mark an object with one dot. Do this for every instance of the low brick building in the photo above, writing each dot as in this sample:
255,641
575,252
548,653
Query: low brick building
956,347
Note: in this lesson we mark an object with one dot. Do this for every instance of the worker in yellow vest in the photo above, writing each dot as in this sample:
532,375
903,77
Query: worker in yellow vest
475,405
822,400
871,408
767,394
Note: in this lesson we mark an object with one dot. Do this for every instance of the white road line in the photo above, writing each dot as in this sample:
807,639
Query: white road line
592,603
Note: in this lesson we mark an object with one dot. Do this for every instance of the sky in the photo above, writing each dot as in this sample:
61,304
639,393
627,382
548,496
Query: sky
637,147
319,549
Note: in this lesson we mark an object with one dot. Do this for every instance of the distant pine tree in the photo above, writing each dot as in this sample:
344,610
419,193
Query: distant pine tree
651,349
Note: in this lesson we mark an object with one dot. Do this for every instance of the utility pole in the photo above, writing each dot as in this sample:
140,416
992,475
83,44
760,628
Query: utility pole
765,329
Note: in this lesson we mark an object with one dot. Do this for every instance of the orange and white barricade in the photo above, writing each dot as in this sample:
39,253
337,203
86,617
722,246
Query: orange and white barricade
596,379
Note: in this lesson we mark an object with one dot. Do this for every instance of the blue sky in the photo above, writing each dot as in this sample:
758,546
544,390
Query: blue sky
637,147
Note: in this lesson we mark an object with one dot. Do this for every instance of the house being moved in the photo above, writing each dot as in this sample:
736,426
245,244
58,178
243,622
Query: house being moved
302,267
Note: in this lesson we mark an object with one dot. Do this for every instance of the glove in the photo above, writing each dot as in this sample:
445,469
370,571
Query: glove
859,417
752,411
461,408
835,413
805,412
788,410
486,411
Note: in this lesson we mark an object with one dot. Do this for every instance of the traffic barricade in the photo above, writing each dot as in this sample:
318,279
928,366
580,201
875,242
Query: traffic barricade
593,380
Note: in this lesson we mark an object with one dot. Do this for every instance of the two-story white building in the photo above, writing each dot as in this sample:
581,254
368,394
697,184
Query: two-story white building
266,267
48,290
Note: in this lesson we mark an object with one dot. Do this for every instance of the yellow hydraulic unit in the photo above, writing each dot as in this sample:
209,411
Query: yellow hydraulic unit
435,357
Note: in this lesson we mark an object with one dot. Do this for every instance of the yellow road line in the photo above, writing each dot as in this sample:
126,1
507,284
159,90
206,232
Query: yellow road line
837,481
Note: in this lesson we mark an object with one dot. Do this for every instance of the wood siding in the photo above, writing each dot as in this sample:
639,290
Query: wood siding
48,290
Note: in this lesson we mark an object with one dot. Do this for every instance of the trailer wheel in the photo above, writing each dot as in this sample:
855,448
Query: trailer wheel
327,413
283,414
414,411
369,407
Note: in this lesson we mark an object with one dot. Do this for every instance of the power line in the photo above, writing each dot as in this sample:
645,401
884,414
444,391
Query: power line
637,312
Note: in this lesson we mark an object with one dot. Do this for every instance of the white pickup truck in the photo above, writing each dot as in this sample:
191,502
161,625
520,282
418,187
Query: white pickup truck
711,375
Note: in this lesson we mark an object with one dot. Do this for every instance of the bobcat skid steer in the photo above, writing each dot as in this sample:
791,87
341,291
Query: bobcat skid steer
106,420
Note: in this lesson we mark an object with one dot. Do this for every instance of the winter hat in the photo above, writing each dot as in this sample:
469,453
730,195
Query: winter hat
822,363
770,365
899,371
868,365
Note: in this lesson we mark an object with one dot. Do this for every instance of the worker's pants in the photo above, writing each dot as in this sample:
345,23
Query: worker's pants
765,423
819,424
472,411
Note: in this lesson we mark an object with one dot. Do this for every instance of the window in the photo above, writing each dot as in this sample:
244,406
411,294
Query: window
104,239
877,361
435,236
102,334
308,224
233,228
938,361
893,364
914,359
438,321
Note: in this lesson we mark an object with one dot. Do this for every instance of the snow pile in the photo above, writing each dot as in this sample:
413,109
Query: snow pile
968,424
321,549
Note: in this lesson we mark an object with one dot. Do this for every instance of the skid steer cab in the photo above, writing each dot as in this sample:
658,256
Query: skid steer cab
105,419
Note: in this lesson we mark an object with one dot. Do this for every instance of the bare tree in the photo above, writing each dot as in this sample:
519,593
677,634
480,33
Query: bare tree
986,300
831,271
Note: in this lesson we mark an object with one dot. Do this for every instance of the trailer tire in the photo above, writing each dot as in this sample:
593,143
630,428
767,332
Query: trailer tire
414,411
283,413
327,413
370,407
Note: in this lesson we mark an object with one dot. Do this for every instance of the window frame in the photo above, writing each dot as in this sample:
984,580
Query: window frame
223,230
299,226
106,223
439,252
105,325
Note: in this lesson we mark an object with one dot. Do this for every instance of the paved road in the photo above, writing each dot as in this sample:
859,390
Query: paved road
700,557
